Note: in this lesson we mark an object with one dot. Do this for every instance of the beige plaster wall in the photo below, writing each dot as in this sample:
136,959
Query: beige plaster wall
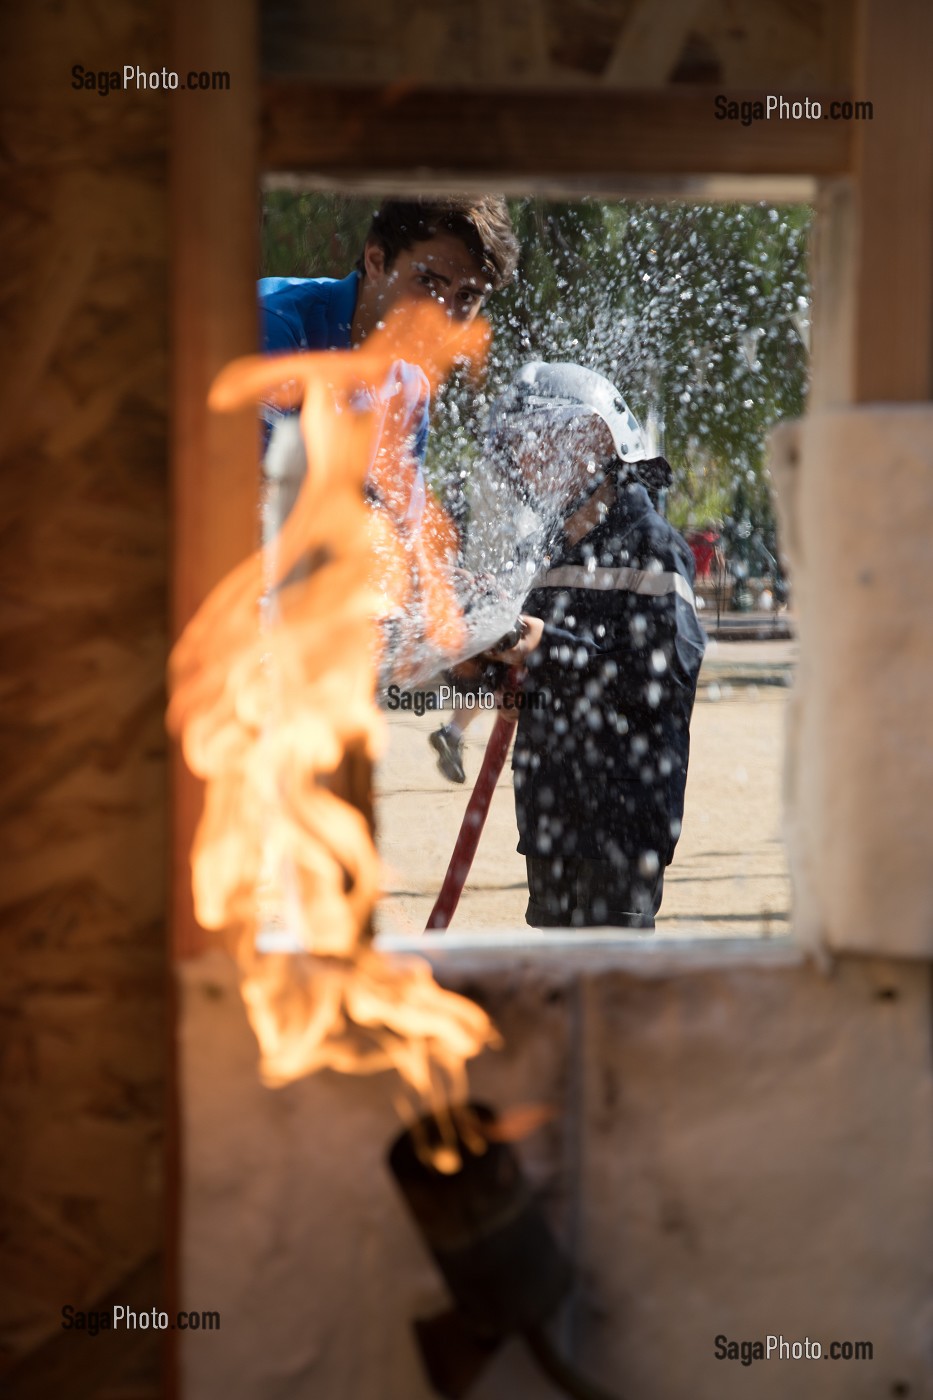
742,1146
855,488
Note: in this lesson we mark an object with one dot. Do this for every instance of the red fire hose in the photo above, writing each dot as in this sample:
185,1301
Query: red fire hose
474,819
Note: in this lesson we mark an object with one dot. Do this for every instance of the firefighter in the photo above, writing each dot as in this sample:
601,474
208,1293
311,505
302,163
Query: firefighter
611,654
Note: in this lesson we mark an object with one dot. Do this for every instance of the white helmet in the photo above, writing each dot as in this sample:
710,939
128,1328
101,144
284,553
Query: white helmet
567,391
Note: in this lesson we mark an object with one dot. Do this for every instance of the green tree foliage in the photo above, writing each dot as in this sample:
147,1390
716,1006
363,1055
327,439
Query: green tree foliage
695,311
312,235
691,310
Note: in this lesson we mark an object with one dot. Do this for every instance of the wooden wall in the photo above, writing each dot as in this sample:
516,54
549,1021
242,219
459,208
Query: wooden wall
84,565
562,43
85,559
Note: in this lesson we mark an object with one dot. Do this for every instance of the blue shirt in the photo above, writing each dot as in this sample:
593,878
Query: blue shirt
307,313
316,313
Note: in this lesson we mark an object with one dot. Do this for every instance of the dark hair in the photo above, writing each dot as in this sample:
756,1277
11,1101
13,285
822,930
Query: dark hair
482,225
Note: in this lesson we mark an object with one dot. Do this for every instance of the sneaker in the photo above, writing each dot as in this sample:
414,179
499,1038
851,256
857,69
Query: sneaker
449,750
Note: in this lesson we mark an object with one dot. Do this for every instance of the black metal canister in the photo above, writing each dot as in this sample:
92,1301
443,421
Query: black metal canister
485,1230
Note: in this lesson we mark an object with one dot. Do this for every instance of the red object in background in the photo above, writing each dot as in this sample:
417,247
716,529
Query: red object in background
472,825
703,546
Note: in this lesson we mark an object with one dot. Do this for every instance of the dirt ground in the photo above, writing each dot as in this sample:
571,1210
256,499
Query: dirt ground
729,874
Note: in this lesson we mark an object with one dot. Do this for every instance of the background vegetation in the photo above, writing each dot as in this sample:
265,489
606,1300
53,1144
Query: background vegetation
698,312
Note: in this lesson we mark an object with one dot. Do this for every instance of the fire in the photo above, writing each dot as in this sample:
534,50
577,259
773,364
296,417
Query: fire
271,689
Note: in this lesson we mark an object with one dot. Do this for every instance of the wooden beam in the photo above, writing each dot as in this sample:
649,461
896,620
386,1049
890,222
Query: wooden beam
703,189
214,241
893,331
832,265
215,489
344,131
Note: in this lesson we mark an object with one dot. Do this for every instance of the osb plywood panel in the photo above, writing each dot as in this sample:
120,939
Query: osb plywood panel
83,579
753,44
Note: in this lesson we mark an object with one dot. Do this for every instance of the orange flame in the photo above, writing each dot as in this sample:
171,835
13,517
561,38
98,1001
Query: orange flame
266,715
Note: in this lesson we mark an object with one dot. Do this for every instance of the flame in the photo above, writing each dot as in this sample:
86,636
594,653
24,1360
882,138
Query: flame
515,1124
440,1140
267,710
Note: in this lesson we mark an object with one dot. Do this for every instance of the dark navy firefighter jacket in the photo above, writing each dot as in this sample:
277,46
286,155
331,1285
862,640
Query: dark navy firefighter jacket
600,761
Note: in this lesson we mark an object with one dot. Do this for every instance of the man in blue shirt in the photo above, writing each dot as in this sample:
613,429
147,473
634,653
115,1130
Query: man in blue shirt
454,251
